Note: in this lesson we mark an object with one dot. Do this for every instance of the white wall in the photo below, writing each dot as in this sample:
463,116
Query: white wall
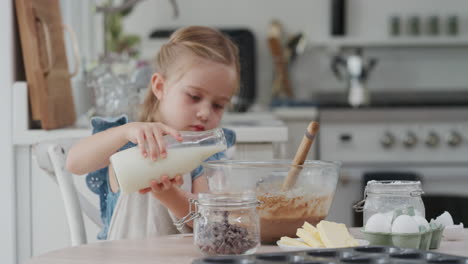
398,69
297,15
84,22
7,186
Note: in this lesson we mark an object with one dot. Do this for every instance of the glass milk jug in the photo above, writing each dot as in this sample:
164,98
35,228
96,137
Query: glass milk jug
134,172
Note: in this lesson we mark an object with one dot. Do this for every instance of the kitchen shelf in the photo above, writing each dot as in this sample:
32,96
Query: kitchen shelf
392,42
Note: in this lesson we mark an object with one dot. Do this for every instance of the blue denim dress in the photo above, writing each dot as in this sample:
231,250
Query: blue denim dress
97,180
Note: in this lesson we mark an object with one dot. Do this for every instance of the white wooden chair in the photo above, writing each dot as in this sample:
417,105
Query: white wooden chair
51,157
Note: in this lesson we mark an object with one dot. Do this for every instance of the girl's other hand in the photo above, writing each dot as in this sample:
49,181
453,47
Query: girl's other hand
164,185
149,137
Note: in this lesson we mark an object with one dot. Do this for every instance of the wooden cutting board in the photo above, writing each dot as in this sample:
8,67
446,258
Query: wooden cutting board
45,61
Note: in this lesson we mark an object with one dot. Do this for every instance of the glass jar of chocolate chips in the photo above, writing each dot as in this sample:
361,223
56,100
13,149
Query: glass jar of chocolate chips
225,224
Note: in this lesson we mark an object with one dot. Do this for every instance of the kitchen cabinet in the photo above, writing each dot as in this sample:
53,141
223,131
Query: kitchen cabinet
348,192
40,210
296,119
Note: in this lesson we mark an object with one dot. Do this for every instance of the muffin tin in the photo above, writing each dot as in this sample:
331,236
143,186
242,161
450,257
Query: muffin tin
367,254
424,240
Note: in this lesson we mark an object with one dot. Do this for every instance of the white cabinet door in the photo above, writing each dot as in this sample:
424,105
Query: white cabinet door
49,225
296,131
41,220
348,192
23,205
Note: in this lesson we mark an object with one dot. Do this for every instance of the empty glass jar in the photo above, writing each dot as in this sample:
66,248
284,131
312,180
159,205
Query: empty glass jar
225,224
116,82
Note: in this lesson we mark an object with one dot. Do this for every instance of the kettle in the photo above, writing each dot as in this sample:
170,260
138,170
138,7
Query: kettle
355,69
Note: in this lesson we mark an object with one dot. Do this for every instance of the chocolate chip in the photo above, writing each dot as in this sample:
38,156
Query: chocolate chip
223,238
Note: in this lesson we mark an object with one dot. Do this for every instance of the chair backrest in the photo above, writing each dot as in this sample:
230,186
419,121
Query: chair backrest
51,157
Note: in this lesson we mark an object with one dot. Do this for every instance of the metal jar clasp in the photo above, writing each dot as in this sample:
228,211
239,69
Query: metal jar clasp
192,214
359,206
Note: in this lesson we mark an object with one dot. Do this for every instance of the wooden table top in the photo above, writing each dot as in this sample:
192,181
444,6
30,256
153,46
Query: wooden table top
176,249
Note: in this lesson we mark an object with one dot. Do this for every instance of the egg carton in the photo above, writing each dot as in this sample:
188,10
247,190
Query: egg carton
367,254
423,240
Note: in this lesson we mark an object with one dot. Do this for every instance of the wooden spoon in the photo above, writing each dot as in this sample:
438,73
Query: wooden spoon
301,155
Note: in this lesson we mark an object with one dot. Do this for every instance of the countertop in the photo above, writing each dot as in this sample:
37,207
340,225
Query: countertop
172,249
296,113
247,131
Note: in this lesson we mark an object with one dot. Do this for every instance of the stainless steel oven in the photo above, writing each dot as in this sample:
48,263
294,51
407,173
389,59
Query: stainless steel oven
430,144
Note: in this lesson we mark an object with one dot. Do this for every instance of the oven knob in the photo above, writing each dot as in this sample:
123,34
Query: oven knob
410,140
454,139
388,140
432,140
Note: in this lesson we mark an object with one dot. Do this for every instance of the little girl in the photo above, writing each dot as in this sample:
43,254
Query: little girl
197,72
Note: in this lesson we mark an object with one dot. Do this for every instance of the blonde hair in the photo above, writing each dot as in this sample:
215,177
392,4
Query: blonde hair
204,42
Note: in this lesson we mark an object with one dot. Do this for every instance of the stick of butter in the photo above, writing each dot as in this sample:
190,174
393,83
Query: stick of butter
312,230
292,242
309,238
335,235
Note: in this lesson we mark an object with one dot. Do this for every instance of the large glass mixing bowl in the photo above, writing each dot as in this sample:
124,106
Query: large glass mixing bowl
283,208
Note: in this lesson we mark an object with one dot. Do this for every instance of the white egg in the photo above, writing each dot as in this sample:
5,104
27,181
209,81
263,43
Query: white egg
444,219
405,224
379,223
421,221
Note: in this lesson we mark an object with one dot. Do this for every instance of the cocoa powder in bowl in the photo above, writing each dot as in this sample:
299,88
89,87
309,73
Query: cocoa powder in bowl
282,213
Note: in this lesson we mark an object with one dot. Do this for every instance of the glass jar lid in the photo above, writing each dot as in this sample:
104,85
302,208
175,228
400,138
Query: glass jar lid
227,199
221,200
412,188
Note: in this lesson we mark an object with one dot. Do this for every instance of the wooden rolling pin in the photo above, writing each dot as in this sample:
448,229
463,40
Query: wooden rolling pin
301,155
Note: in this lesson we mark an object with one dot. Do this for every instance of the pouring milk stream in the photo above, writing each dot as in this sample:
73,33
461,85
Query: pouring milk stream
134,172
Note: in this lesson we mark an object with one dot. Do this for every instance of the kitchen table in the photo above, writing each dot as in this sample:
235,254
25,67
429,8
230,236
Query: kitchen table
177,249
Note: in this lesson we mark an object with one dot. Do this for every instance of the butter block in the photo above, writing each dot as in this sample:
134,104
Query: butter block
311,229
292,242
308,238
335,235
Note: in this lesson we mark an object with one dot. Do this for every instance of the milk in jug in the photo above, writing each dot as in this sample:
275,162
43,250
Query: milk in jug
134,172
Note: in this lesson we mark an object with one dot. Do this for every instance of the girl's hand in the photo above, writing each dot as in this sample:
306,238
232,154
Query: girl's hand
149,137
166,184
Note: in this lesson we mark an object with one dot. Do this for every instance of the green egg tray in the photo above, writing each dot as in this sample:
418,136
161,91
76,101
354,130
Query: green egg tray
423,240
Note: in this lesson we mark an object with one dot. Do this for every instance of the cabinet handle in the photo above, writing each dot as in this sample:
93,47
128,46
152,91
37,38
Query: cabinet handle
50,58
45,29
